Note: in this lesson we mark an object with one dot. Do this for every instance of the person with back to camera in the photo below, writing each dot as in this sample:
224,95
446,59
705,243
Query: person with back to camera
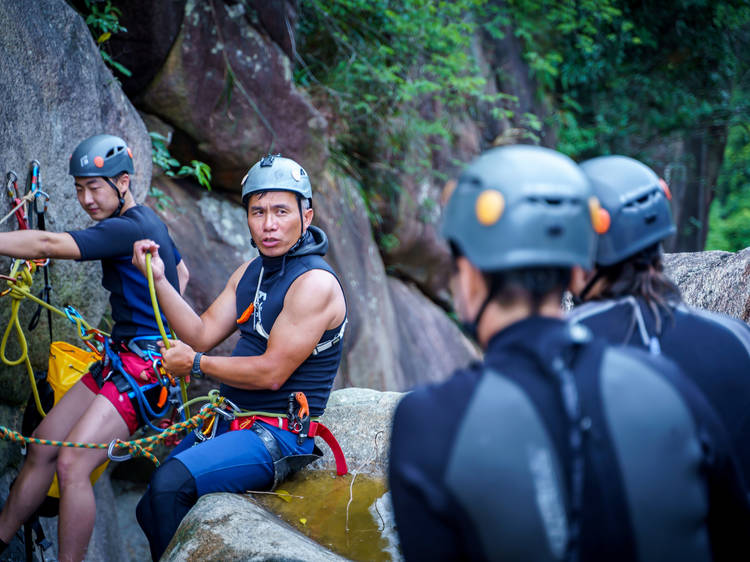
629,299
556,446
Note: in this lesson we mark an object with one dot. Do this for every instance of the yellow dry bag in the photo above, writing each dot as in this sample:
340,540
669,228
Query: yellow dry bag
67,364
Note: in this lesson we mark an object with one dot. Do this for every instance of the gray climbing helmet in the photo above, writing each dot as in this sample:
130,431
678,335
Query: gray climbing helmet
101,155
637,201
522,206
276,173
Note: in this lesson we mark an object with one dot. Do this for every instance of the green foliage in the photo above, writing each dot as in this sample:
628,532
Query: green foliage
619,73
161,156
729,218
103,20
162,200
393,72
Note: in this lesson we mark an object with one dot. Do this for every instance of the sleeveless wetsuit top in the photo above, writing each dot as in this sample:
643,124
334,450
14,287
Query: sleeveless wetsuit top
265,283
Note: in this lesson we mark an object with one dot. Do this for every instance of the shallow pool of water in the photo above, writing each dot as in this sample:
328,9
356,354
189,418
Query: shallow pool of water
317,506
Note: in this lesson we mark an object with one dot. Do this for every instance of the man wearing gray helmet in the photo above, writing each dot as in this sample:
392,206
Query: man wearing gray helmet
629,300
555,446
96,409
291,313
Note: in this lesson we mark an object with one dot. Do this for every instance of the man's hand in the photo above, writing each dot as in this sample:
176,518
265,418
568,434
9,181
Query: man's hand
140,249
178,359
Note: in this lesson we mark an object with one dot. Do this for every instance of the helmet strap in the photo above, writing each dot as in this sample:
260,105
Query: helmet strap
120,198
301,218
578,299
471,328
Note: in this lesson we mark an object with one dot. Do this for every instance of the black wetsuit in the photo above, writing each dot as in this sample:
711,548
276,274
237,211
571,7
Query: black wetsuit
713,350
481,465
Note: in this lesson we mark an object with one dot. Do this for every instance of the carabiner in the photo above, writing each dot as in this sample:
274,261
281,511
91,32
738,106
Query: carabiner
12,185
117,458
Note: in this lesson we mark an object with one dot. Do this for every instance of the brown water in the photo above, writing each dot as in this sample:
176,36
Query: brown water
321,512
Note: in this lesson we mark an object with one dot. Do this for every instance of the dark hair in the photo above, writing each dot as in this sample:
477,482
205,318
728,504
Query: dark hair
641,275
533,284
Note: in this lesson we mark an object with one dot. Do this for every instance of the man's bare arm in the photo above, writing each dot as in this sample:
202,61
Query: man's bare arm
313,304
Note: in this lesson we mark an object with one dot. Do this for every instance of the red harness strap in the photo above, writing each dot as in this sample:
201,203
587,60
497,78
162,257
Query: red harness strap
316,428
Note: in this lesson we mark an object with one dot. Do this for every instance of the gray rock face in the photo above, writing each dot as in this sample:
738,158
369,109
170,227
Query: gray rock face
56,91
716,281
230,89
370,352
360,419
232,527
431,346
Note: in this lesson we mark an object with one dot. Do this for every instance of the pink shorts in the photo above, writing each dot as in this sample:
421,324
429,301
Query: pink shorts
134,365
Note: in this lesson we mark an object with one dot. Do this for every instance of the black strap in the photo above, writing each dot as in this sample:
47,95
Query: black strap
560,370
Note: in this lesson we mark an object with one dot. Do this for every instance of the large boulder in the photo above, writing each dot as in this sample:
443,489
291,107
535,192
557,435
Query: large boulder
717,281
229,88
360,418
56,91
232,527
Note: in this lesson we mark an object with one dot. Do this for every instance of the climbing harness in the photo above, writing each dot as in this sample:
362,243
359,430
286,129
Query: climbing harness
298,422
254,311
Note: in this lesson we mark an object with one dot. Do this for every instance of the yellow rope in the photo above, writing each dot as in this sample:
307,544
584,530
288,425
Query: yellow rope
160,324
19,288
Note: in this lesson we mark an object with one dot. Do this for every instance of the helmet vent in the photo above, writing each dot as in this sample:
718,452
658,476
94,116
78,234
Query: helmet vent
110,152
555,231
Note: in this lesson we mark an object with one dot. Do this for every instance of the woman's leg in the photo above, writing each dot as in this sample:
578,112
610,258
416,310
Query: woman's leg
100,423
32,484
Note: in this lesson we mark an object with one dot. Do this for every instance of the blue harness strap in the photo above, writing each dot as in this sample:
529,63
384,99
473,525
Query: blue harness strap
137,392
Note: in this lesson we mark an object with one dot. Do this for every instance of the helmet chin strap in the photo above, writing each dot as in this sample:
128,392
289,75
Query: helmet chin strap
120,198
471,328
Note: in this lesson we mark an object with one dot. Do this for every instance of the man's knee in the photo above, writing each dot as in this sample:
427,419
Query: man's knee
173,478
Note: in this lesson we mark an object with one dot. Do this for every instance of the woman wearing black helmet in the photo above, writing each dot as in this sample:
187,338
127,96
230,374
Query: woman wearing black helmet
92,410
629,299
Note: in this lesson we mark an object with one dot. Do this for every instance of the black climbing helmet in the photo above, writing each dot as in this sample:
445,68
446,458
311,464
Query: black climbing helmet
522,206
101,155
276,173
637,202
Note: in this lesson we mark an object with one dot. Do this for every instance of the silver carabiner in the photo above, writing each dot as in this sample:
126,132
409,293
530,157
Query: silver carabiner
117,458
